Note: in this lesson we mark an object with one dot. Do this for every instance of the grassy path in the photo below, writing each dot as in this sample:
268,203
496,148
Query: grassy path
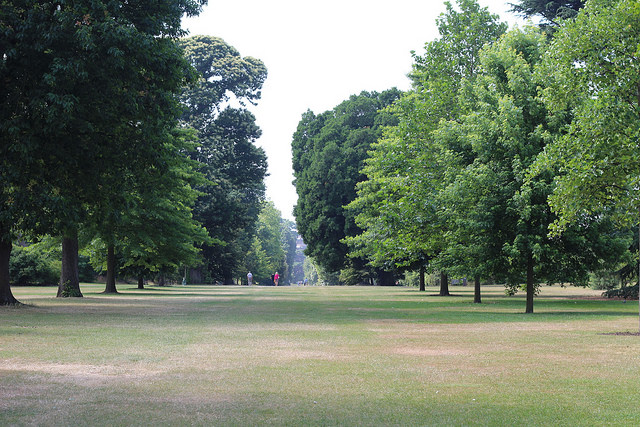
200,355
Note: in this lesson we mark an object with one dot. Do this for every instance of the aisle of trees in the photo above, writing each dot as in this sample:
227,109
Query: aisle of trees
512,159
125,143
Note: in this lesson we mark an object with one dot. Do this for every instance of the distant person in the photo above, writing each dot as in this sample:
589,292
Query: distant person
306,282
249,278
276,278
273,281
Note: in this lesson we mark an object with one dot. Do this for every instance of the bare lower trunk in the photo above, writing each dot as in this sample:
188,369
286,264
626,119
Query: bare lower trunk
228,279
477,299
140,282
385,278
6,296
422,285
530,284
69,285
444,285
111,271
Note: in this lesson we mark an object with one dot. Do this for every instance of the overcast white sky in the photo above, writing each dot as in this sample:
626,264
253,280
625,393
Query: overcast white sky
317,55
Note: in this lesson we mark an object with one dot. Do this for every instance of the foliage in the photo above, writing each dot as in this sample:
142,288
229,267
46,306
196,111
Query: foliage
552,12
626,292
596,78
311,271
235,167
502,220
328,154
396,206
88,93
273,248
34,265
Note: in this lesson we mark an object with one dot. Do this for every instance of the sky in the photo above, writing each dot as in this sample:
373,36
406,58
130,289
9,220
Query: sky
317,55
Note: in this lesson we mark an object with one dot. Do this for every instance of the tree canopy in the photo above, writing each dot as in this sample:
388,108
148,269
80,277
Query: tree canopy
328,154
87,86
396,205
235,167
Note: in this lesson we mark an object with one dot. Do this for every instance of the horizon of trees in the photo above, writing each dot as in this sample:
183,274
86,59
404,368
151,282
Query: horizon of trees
125,146
489,146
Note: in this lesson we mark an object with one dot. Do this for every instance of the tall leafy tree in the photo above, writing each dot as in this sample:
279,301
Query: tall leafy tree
499,219
155,231
96,80
552,12
328,154
592,70
396,206
271,246
234,165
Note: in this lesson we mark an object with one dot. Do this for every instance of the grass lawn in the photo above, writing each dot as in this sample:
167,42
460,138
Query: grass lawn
201,355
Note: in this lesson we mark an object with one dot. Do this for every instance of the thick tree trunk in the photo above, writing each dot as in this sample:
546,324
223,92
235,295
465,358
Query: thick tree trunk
111,271
477,299
385,278
196,275
530,284
228,279
444,285
6,296
140,282
69,285
422,285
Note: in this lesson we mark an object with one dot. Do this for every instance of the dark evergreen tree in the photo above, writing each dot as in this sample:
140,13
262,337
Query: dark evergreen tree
549,11
328,156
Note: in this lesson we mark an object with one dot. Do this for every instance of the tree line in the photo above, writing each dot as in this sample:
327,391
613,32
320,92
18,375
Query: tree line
129,143
511,159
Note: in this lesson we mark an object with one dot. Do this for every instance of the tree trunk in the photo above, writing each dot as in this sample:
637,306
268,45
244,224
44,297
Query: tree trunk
444,285
111,271
530,284
196,275
6,296
385,278
422,285
69,285
228,279
477,299
140,282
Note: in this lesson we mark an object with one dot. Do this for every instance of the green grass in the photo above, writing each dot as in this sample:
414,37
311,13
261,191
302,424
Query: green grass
201,355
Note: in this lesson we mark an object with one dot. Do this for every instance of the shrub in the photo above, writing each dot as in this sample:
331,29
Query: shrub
626,292
33,265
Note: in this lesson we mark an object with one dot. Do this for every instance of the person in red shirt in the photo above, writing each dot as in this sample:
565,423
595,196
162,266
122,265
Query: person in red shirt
276,277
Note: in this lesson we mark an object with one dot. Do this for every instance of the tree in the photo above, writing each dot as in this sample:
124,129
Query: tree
596,78
328,154
289,238
273,246
234,166
94,84
500,221
396,206
551,11
156,232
